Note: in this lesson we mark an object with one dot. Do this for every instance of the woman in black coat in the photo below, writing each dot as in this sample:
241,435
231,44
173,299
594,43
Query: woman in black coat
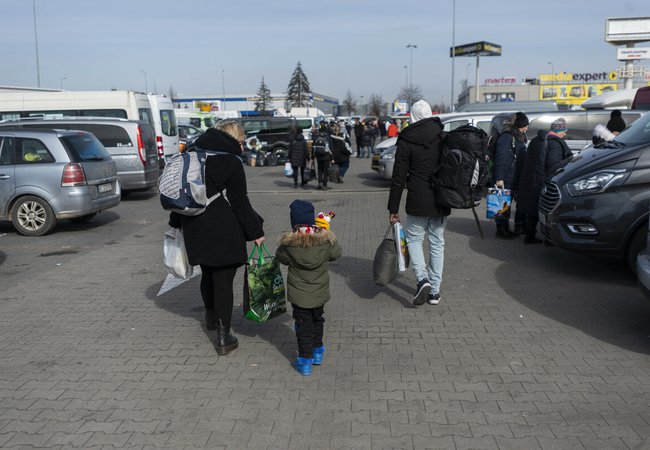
545,151
298,157
216,240
340,152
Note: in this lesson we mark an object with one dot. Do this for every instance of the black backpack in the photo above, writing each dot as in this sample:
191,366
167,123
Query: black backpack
321,147
463,170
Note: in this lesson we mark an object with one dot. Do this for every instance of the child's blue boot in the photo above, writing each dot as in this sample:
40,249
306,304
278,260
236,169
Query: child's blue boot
318,355
303,366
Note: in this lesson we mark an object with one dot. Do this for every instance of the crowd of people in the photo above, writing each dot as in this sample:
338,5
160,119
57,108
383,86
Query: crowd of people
216,240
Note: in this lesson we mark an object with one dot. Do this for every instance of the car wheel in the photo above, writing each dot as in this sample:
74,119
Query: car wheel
271,160
84,219
636,245
33,216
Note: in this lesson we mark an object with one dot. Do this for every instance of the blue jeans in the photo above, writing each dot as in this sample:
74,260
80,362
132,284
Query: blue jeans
415,229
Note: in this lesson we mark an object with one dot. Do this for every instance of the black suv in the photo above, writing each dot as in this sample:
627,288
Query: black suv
597,202
275,132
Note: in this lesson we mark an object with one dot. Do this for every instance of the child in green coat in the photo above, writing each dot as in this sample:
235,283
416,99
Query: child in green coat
307,250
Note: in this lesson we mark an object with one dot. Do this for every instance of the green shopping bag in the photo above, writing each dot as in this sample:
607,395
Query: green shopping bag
264,296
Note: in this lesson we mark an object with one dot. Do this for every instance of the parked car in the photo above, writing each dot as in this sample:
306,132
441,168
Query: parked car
597,202
643,268
187,135
274,132
580,124
131,144
51,175
383,157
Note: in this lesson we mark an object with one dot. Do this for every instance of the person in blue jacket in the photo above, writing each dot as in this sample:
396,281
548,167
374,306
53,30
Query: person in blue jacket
510,146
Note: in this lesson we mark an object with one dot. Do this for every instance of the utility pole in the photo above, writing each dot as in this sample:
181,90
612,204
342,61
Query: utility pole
38,65
453,53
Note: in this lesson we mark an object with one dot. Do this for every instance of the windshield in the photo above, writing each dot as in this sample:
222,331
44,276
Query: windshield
637,133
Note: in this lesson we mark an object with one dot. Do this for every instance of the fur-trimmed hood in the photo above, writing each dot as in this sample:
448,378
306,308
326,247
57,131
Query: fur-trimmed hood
306,240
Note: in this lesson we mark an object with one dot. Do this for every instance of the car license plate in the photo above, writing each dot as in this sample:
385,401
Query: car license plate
108,187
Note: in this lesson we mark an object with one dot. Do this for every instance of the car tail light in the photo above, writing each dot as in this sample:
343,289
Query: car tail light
141,150
73,175
161,147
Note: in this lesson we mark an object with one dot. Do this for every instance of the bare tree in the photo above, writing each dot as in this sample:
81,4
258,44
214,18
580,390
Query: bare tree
376,105
349,103
411,94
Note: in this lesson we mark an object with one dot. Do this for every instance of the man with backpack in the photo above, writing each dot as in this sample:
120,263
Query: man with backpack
416,159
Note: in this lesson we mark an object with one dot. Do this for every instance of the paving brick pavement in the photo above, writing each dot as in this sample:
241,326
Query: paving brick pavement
531,348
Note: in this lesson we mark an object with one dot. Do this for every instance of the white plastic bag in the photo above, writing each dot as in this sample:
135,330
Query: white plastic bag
400,247
288,170
175,256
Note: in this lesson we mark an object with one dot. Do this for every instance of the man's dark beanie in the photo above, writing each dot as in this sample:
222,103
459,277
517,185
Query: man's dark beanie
616,124
520,120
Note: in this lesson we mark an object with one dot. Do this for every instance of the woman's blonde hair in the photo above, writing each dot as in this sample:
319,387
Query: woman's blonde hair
232,128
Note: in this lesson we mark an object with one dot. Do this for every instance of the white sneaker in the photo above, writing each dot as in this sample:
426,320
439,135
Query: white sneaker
434,299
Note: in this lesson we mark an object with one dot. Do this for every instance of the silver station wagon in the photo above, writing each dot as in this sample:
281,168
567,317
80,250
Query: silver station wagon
50,175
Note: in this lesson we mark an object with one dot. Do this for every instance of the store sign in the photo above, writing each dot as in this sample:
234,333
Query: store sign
400,107
573,94
476,49
587,77
500,81
627,54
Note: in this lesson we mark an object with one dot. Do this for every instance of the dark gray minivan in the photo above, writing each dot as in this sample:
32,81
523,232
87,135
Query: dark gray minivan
131,144
596,202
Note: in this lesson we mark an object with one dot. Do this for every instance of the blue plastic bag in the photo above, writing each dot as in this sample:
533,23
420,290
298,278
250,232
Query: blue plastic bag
499,202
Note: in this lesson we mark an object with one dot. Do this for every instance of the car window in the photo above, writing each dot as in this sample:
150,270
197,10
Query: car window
577,128
168,122
108,135
484,125
452,125
84,147
637,133
6,151
145,115
304,124
208,121
252,126
148,135
195,121
32,151
119,113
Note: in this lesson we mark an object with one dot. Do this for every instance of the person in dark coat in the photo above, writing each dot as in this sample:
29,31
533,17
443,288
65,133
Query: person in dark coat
510,146
323,154
616,123
544,152
216,240
417,157
298,157
340,152
358,133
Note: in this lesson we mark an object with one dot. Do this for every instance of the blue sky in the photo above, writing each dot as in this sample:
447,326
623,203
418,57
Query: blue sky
343,45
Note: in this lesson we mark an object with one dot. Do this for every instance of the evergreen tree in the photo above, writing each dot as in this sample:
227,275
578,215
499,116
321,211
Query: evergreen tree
298,89
263,101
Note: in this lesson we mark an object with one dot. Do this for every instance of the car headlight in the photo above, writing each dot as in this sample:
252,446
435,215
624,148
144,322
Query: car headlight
389,155
596,183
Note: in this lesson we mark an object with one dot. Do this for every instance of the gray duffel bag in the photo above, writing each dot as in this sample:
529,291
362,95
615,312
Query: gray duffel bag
384,266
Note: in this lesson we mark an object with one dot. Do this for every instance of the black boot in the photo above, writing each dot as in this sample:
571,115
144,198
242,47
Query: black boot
509,231
502,233
210,319
226,342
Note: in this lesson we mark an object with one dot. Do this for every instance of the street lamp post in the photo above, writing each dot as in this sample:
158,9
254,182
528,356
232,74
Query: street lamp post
552,72
223,90
453,52
61,81
360,104
38,66
411,46
146,88
406,76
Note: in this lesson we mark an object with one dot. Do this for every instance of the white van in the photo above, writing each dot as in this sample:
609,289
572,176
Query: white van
164,123
196,118
121,104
